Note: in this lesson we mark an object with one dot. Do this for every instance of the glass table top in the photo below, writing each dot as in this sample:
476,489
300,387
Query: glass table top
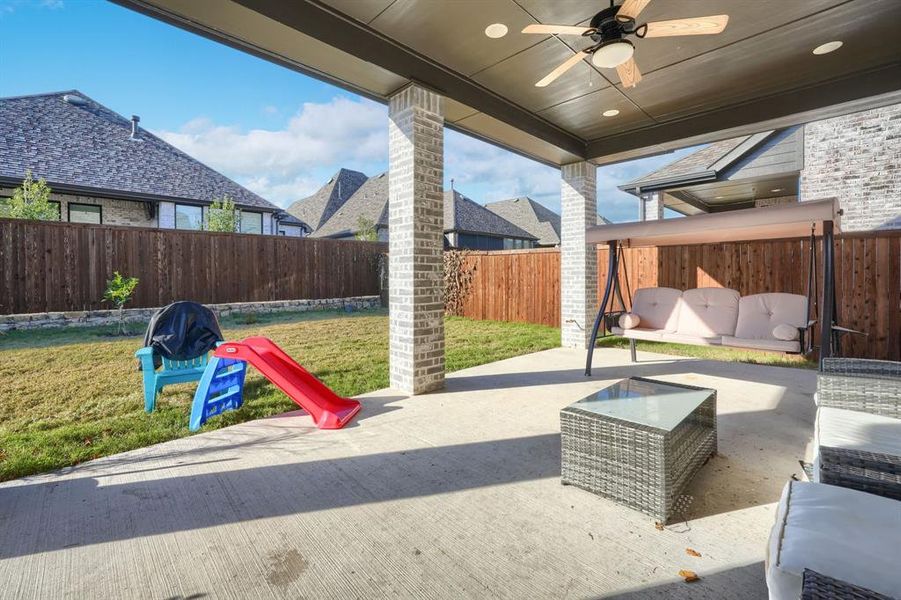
651,403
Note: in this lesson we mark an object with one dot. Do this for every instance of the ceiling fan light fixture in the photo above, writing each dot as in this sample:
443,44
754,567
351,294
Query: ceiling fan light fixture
496,30
612,54
827,47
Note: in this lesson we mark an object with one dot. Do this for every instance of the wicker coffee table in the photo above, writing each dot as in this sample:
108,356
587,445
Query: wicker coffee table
639,442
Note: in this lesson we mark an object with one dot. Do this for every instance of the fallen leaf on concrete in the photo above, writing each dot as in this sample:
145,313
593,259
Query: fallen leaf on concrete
688,576
692,552
658,525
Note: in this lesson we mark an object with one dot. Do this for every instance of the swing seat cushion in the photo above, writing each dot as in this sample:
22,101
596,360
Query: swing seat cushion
760,314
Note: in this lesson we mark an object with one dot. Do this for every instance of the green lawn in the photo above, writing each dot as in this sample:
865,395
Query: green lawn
72,395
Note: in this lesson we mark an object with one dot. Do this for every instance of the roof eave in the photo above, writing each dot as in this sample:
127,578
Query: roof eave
663,183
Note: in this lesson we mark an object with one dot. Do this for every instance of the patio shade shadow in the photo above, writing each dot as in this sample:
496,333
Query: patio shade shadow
721,584
49,516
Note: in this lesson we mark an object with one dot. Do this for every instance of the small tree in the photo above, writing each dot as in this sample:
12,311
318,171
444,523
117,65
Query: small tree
31,201
223,215
119,291
366,231
458,275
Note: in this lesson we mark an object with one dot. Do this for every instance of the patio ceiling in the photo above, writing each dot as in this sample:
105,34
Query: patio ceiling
758,74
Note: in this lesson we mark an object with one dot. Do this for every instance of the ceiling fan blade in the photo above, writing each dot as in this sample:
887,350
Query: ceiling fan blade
631,8
628,73
566,66
552,29
697,26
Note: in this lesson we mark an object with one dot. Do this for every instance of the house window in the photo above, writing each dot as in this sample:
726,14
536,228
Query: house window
251,222
188,217
85,213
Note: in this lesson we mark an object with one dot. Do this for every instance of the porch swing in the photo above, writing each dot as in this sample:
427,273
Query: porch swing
779,321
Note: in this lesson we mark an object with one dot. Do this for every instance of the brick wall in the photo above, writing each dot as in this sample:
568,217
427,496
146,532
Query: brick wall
857,159
578,260
114,212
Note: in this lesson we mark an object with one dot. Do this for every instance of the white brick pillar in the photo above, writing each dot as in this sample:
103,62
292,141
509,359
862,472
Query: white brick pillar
578,261
416,240
651,206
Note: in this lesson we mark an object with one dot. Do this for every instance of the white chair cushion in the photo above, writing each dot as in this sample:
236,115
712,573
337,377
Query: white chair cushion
708,312
629,320
760,313
658,308
786,333
639,333
849,535
853,430
755,344
695,340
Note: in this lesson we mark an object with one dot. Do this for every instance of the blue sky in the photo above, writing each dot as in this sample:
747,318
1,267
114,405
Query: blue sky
277,132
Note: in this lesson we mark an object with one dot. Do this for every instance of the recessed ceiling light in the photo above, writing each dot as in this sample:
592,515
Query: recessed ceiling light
827,47
610,113
718,198
496,30
776,190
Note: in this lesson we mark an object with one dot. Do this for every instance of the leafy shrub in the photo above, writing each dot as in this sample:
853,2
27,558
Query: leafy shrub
31,200
223,216
119,291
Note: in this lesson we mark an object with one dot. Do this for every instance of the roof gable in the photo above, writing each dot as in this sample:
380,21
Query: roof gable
464,215
85,145
317,209
369,201
531,217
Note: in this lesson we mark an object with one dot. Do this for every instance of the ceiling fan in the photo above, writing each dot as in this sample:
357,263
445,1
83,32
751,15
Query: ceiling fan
608,30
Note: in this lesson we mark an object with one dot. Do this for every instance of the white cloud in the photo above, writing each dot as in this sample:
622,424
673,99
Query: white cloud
277,162
319,134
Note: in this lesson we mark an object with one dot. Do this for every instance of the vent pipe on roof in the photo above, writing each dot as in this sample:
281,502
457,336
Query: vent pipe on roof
135,119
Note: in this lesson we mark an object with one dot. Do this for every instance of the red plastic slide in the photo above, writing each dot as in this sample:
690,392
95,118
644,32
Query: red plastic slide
329,410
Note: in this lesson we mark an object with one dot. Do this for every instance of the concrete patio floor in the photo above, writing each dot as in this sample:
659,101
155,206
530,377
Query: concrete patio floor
448,495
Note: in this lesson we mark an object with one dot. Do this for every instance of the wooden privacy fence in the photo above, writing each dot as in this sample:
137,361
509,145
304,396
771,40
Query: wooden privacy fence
48,266
524,285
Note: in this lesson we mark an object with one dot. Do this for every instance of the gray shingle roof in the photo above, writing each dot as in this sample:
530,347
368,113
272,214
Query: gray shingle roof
696,162
370,202
319,208
88,147
533,217
530,216
464,215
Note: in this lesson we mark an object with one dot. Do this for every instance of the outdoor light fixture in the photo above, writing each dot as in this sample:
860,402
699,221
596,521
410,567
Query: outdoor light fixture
612,54
496,30
610,113
827,47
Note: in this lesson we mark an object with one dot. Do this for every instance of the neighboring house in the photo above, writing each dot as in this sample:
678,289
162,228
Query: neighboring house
467,224
106,169
315,210
854,158
534,218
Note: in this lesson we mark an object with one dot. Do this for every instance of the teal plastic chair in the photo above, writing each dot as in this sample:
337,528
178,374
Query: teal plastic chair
171,371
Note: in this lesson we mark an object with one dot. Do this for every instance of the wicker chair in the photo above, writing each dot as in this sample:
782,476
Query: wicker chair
820,587
860,449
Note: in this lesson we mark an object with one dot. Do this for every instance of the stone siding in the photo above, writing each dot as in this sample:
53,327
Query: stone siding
52,320
416,222
578,260
856,158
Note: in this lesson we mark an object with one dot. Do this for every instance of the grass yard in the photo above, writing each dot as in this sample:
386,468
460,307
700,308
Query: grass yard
72,395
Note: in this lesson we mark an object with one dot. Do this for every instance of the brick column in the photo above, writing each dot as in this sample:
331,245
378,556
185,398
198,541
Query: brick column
652,206
578,261
416,240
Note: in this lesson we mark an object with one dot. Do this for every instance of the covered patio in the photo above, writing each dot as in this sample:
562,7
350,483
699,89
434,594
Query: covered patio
454,494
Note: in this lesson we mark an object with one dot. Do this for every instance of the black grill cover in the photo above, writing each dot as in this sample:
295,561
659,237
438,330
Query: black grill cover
182,331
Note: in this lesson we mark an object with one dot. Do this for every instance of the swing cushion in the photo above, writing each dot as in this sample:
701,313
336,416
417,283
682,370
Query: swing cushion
708,312
629,321
786,332
658,308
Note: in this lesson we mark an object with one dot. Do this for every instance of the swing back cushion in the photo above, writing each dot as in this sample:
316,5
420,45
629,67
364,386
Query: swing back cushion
708,312
658,308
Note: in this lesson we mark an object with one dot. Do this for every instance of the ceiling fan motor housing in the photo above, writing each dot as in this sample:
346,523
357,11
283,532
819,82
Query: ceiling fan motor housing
606,27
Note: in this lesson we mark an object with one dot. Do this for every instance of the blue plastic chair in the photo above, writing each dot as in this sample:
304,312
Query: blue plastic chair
172,371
